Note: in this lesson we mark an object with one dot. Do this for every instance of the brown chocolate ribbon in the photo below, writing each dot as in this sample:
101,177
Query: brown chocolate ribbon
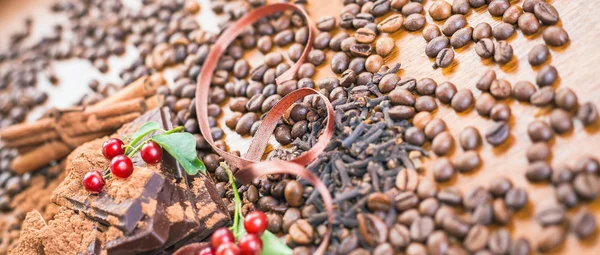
250,166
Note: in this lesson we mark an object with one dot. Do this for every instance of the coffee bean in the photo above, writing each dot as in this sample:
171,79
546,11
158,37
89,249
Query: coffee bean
499,240
470,138
499,186
587,165
461,7
555,36
273,59
476,238
414,22
562,174
444,58
503,52
497,133
584,224
401,96
520,246
380,8
359,50
401,112
408,217
523,90
551,215
421,119
425,103
485,48
283,135
245,123
476,196
443,212
512,14
529,4
364,35
538,151
436,45
384,46
503,31
483,214
399,236
411,8
358,66
431,31
336,41
566,99
516,198
586,186
445,92
434,127
339,62
538,171
407,180
461,37
426,86
284,38
362,19
546,76
443,170
416,249
453,24
373,63
462,100
587,114
482,30
538,55
485,82
450,195
388,82
301,232
467,161
379,202
528,24
405,200
500,112
550,237
427,189
477,3
565,194
455,226
438,243
391,24
326,23
542,97
442,143
421,228
322,40
440,10
546,13
560,121
502,215
500,89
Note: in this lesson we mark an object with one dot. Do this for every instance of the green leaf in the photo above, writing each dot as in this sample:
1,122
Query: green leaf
182,146
142,132
272,245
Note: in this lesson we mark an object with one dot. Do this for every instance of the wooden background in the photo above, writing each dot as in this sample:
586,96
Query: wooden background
575,62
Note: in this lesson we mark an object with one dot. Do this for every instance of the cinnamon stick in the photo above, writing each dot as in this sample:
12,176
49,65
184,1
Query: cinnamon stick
142,87
32,139
39,157
96,125
134,105
25,129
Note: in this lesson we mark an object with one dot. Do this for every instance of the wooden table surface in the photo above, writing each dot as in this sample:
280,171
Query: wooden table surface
575,63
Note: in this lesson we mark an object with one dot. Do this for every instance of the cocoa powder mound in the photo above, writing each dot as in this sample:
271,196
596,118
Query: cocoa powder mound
30,241
68,232
175,213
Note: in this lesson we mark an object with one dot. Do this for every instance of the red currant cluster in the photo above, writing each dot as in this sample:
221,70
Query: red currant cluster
121,165
223,242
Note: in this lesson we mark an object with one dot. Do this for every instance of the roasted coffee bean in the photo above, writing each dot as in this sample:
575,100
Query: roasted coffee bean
414,22
565,194
444,58
455,226
436,45
461,7
584,224
431,31
523,90
336,41
503,31
245,123
485,82
273,59
529,4
399,236
542,97
470,138
295,51
301,232
587,114
411,8
238,104
439,10
306,70
550,237
497,133
499,240
467,161
546,76
364,35
379,202
380,8
443,143
476,238
538,151
500,89
326,23
503,52
284,38
499,186
566,99
450,195
528,24
443,212
421,120
407,180
461,37
362,19
388,82
443,170
283,135
498,7
408,217
462,100
434,127
421,228
373,63
453,24
477,3
555,36
538,171
445,92
401,96
425,103
360,50
358,66
384,46
562,174
401,112
482,30
546,13
512,14
586,186
438,243
502,215
520,246
485,48
476,196
391,24
483,214
322,40
405,200
416,249
427,189
551,215
339,62
407,83
398,4
539,131
299,128
426,86
560,121
538,55
516,198
293,193
500,112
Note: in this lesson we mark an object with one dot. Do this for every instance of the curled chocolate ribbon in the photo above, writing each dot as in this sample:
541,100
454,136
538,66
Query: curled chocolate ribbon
250,166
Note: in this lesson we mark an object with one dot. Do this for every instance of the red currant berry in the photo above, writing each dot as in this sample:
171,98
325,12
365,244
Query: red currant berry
228,249
151,152
112,148
206,251
250,244
93,181
255,222
221,236
121,166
